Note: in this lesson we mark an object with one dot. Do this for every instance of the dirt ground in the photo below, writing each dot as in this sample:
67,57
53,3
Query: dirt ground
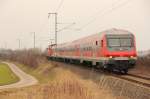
141,70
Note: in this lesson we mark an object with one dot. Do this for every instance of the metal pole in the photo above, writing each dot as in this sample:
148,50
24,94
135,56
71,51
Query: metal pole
5,44
56,29
33,33
19,43
34,40
55,25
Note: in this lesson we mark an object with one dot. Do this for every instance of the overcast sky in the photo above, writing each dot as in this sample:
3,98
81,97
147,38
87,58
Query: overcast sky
19,18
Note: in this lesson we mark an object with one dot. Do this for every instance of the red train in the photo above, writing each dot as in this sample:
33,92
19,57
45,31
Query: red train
113,49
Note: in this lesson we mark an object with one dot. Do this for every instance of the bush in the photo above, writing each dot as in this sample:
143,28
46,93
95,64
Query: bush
30,57
144,60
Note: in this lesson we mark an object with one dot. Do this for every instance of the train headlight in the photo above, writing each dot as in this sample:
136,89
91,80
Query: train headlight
110,57
131,56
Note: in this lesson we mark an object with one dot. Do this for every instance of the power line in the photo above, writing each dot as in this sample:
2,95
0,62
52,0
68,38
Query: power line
66,27
108,11
59,6
56,26
104,9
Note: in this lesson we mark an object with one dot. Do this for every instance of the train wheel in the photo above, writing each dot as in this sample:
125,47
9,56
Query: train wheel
125,71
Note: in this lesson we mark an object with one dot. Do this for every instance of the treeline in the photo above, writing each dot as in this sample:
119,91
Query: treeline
29,57
144,60
32,57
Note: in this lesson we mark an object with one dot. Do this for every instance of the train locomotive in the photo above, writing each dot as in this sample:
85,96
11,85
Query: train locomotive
113,49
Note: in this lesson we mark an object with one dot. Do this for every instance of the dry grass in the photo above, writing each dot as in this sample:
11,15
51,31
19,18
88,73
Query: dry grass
63,84
124,89
143,66
66,85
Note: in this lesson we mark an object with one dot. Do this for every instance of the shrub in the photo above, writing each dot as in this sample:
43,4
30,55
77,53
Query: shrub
29,57
144,60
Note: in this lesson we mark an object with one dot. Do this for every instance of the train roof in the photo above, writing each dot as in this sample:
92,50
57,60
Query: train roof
112,31
115,31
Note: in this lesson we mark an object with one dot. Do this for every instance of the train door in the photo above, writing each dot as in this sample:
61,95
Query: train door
81,47
49,51
95,46
101,48
77,47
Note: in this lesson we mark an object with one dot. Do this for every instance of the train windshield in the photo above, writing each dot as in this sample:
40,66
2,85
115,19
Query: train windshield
119,42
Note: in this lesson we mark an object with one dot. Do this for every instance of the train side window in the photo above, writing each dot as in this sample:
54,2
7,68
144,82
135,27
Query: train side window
102,43
96,42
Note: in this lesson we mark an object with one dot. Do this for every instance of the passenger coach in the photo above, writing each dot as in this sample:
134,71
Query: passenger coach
113,49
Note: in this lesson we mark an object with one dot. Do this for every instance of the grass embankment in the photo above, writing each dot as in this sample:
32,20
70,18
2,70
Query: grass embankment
44,73
6,75
56,83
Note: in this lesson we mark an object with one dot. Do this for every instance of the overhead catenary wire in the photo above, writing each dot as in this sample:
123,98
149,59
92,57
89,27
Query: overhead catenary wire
59,6
115,7
66,27
104,9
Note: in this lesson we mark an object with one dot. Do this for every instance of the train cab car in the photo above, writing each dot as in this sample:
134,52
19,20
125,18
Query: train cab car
120,50
113,49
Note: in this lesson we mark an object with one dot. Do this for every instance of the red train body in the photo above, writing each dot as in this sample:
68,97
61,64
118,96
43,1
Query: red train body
113,49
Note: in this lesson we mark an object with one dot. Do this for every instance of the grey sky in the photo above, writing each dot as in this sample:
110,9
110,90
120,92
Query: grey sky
21,17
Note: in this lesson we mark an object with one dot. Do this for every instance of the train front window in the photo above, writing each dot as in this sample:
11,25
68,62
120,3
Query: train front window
127,42
119,42
113,42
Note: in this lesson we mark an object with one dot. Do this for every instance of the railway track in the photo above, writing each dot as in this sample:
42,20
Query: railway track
144,81
139,76
140,80
129,86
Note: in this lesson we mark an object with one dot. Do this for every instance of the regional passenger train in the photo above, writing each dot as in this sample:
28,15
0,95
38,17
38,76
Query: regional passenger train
113,49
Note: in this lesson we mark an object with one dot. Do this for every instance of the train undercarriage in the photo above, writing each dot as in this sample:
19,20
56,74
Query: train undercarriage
119,66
